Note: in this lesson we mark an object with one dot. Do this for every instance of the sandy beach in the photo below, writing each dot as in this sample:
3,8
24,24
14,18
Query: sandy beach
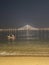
24,60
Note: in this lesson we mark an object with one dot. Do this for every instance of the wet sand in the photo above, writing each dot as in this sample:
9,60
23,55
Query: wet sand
24,60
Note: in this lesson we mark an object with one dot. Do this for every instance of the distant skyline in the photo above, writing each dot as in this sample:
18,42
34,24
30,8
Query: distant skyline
16,13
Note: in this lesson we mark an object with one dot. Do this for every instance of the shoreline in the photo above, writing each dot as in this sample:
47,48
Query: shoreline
23,56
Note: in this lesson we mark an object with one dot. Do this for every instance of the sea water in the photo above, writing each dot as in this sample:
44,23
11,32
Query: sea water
23,47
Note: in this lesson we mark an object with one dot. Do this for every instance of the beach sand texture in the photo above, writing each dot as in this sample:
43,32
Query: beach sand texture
24,60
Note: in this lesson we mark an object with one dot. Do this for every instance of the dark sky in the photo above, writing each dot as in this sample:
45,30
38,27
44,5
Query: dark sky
15,13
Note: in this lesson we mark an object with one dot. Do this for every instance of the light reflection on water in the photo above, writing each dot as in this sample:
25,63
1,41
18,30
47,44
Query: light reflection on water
10,47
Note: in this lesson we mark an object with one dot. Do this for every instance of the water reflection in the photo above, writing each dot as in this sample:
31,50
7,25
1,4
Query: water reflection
22,47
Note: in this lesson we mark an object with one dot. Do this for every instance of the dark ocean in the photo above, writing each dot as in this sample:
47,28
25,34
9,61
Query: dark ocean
23,46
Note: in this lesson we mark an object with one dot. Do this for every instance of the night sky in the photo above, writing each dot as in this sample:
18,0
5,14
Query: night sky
16,13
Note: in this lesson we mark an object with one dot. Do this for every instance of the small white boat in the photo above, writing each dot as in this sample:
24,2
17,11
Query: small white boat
11,37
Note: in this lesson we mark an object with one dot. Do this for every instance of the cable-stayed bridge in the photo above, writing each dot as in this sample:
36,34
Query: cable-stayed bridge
26,27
